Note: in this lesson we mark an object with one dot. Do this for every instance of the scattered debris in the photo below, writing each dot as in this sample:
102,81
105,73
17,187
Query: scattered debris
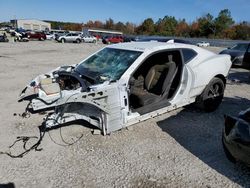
130,128
96,132
23,115
150,178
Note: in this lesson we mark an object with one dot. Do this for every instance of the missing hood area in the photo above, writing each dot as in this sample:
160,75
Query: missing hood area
67,96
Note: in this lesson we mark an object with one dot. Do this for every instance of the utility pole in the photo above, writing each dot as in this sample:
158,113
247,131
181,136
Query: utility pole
15,22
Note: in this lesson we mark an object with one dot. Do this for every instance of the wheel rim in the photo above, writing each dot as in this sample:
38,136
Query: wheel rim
215,91
214,95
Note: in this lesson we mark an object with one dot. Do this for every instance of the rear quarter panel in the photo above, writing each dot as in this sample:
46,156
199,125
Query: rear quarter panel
205,69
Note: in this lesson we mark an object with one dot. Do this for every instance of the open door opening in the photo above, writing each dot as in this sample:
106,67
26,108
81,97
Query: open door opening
155,82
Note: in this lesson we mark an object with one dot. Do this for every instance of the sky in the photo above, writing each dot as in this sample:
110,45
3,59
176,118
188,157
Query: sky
120,10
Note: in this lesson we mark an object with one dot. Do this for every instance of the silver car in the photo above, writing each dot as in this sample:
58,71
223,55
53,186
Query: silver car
70,37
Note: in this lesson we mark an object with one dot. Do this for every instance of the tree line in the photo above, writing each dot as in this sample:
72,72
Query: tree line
222,26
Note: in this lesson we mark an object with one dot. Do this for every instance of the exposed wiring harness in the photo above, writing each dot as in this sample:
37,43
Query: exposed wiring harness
25,140
42,130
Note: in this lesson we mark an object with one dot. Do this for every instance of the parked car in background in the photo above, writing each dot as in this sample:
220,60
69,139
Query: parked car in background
4,29
3,38
240,54
59,34
127,83
129,38
89,38
236,137
203,44
50,36
10,30
70,37
112,39
37,35
21,30
21,37
98,37
162,39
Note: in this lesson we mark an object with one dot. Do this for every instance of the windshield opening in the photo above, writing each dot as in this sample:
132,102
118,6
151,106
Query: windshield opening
107,65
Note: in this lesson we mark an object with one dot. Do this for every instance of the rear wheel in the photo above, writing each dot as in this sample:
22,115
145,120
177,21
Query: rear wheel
78,41
212,95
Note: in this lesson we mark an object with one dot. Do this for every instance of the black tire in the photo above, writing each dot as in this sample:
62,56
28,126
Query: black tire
63,40
78,41
212,96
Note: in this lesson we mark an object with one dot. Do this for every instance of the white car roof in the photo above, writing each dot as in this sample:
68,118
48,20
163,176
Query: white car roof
153,45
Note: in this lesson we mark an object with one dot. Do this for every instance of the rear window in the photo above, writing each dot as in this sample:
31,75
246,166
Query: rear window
188,54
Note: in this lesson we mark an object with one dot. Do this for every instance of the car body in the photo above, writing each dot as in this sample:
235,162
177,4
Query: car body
240,54
128,38
203,44
112,39
162,39
236,137
70,37
50,36
21,37
3,38
36,35
98,37
21,30
10,30
89,38
123,84
60,33
4,29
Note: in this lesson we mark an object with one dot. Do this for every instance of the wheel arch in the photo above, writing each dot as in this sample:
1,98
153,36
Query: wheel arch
203,101
222,77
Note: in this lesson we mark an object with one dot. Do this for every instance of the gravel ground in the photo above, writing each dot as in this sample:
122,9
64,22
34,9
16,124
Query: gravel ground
179,149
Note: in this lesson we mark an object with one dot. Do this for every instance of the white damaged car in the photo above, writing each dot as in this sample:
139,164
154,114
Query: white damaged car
126,83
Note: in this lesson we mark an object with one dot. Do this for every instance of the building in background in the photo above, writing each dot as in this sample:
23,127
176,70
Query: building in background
102,32
34,25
